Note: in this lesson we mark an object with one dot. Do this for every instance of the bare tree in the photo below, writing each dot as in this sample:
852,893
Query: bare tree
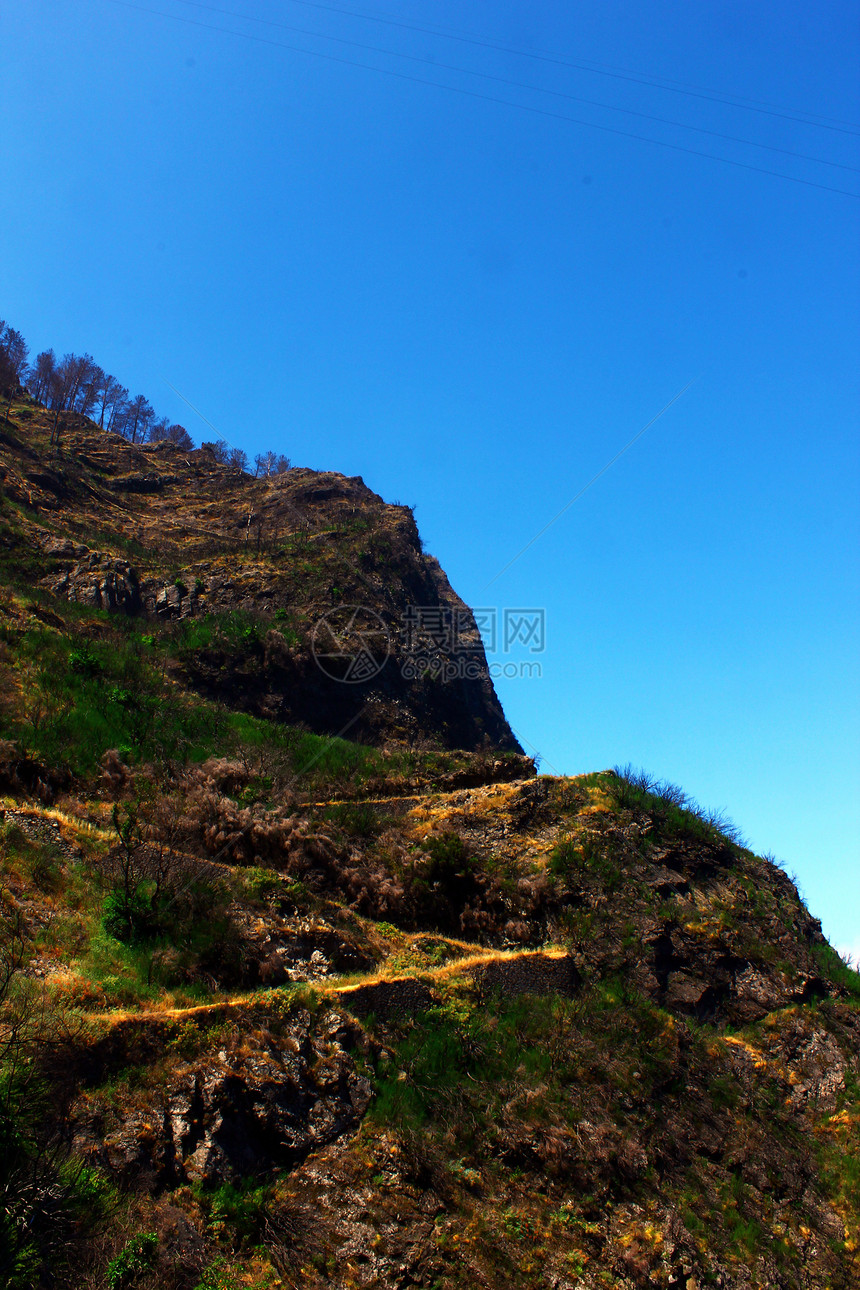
220,450
89,389
119,405
271,463
64,381
108,391
163,432
139,418
78,371
76,383
42,375
13,362
158,429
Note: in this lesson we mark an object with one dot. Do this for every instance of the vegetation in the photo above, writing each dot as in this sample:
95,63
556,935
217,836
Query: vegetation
76,384
282,1008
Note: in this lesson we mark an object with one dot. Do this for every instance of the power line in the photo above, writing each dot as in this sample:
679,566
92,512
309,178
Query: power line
522,85
725,96
488,98
750,105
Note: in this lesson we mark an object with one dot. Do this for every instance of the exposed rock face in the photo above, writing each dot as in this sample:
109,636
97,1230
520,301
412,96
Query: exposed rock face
530,974
708,981
94,579
261,1101
279,949
301,548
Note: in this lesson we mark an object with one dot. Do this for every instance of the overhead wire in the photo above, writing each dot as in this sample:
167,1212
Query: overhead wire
522,85
488,98
750,105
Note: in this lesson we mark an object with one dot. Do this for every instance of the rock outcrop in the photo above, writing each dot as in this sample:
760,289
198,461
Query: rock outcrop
347,624
258,1101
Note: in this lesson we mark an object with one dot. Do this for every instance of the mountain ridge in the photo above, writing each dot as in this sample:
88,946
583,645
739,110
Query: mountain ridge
186,537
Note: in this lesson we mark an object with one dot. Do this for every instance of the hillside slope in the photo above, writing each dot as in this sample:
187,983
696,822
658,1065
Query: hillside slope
281,1008
274,592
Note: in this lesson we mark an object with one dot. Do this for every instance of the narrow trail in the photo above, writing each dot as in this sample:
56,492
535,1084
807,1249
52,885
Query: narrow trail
336,989
470,959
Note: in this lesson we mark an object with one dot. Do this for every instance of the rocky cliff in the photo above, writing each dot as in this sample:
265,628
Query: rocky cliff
302,597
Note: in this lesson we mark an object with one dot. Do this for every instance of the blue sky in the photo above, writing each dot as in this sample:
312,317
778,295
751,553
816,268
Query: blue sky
474,305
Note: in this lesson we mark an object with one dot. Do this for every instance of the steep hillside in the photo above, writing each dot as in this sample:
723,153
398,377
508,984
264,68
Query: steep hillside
292,597
283,1008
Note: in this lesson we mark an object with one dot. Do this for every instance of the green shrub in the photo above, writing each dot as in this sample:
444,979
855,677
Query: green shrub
832,965
137,1256
83,661
671,808
564,858
444,879
449,857
357,819
584,856
217,1276
129,918
238,1213
256,790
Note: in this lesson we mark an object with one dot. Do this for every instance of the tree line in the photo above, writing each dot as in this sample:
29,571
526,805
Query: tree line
76,383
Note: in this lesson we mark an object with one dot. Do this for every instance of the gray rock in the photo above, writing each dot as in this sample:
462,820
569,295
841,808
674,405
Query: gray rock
265,1102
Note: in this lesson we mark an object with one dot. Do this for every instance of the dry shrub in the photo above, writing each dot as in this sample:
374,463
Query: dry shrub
227,775
115,777
246,835
375,881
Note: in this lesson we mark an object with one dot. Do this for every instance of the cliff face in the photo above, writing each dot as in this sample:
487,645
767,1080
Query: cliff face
283,1009
302,597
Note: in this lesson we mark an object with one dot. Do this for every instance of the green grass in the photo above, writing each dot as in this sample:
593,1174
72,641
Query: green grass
86,693
834,967
676,814
456,1055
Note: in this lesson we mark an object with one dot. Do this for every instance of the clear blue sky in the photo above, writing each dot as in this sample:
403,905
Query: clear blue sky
475,306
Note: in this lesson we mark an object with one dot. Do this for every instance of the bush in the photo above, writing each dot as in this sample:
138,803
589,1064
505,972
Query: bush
240,1213
137,1256
444,880
564,858
832,965
129,918
671,808
83,661
217,1276
357,819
